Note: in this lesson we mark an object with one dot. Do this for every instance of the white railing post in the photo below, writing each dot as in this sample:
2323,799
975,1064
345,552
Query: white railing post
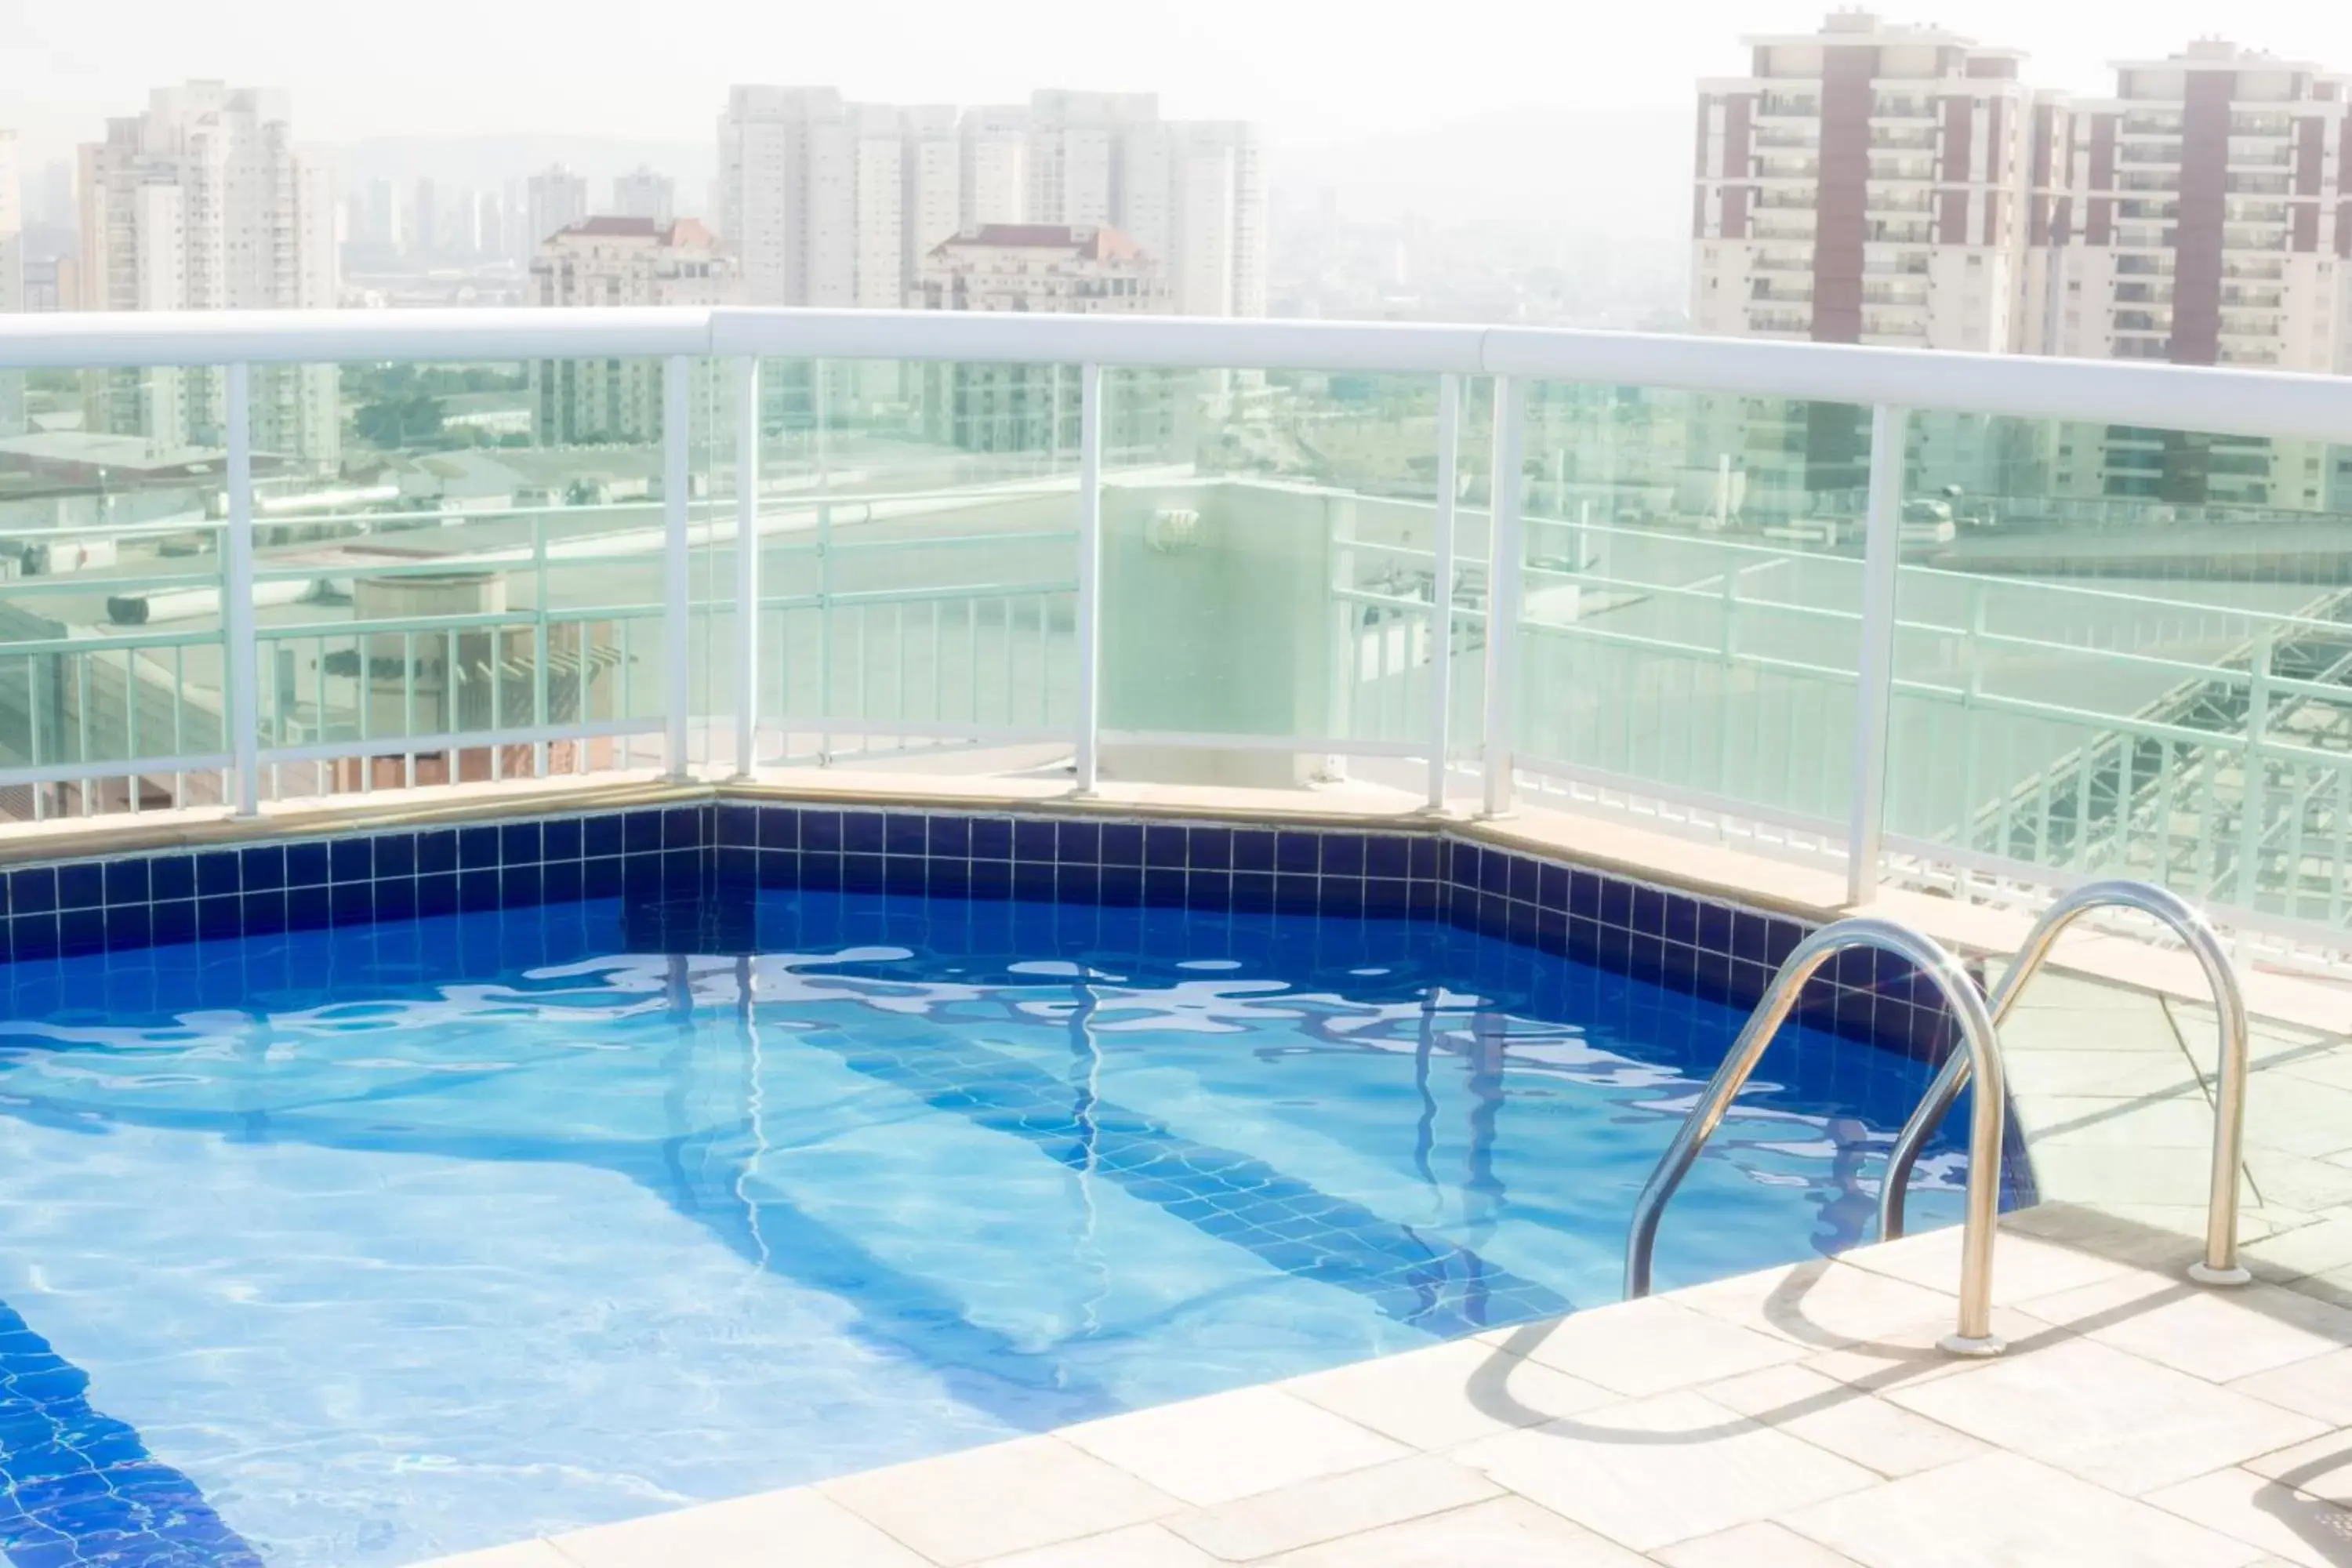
676,604
2252,776
243,652
1504,566
747,565
1441,609
1089,610
1874,669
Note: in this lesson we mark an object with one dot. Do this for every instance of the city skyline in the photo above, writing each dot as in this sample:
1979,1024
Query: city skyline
1312,72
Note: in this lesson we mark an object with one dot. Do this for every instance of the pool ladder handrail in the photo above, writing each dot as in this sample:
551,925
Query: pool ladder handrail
1974,1335
2220,1265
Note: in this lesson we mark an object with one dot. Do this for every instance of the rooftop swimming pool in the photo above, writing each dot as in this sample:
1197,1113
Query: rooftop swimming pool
356,1246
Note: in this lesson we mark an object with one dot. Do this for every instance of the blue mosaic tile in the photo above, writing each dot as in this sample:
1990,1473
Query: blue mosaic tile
81,886
396,854
126,882
353,859
437,850
694,852
519,844
305,865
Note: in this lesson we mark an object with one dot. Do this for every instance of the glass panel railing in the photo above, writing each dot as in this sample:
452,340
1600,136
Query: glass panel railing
1691,596
111,504
111,507
918,558
1269,568
474,590
2124,651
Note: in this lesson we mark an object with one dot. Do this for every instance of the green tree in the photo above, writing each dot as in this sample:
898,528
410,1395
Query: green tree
396,421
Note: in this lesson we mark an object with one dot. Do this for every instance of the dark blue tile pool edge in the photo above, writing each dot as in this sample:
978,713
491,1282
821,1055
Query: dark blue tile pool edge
724,849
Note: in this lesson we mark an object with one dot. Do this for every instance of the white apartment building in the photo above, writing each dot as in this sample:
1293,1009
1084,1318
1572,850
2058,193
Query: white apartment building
642,193
1049,268
836,204
203,203
555,198
12,274
994,150
609,262
930,183
1044,268
1190,193
783,175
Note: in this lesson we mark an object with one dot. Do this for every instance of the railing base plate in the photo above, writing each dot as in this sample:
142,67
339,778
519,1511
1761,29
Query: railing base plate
2205,1275
1964,1344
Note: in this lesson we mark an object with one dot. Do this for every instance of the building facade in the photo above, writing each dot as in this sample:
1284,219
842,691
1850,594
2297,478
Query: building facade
555,198
1046,269
12,297
203,203
606,263
642,193
830,202
1874,183
1865,185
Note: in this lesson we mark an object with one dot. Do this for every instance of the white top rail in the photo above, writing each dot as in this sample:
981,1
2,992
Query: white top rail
2254,402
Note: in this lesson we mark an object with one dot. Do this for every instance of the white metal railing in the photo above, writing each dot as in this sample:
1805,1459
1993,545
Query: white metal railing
1017,655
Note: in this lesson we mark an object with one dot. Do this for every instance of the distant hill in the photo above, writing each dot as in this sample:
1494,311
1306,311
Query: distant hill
1623,172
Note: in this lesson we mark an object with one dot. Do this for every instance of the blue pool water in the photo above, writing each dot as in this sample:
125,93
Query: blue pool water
355,1246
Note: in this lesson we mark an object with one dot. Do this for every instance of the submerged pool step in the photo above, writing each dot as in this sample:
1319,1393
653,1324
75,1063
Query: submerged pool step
1235,1197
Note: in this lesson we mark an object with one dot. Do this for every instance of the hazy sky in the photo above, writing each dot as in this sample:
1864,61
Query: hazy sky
1314,70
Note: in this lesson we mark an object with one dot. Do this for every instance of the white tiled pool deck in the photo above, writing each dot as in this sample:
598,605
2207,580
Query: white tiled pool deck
1794,1418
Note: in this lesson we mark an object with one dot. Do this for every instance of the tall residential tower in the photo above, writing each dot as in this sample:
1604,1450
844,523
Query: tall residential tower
203,203
832,203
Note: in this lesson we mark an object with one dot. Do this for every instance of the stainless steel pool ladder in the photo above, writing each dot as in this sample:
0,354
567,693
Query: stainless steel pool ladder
1974,1335
2220,1265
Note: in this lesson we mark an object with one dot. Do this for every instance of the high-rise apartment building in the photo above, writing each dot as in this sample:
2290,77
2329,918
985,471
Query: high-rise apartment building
643,193
490,224
831,203
2205,219
2200,217
203,203
931,173
425,240
1190,193
1039,268
12,275
1866,184
554,198
1876,183
994,153
1056,268
782,168
609,262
